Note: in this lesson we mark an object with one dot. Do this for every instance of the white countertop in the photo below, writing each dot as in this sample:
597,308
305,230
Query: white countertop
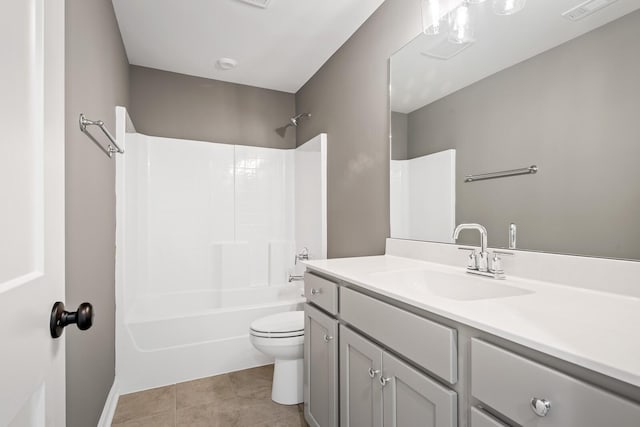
593,329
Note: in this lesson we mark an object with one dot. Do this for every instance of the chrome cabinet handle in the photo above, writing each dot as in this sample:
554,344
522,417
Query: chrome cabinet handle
316,291
327,338
384,381
540,407
373,372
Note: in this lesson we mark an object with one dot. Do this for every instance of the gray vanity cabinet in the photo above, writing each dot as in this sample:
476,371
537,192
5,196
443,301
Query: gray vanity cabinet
379,390
321,292
395,367
360,389
479,418
411,398
534,395
320,368
426,343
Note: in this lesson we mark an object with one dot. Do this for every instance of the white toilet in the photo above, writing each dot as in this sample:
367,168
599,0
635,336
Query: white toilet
282,337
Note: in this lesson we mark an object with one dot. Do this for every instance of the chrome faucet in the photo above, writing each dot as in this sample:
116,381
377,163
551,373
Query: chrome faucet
480,263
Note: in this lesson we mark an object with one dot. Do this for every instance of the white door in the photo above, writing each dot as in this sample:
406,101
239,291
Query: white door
31,211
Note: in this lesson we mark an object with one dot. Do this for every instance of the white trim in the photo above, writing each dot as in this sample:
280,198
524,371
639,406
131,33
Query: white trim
110,405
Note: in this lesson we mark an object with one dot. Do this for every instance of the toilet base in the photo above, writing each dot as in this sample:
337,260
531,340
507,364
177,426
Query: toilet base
287,382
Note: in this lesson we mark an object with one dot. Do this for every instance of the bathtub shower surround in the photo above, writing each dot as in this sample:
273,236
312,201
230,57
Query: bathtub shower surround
423,197
206,241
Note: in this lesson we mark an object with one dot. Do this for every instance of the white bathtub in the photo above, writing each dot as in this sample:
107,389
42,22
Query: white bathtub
177,337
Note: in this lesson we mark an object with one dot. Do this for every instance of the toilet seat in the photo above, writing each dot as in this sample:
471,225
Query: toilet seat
281,325
277,335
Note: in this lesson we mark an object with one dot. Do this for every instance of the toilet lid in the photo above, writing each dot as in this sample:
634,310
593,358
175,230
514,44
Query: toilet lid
281,323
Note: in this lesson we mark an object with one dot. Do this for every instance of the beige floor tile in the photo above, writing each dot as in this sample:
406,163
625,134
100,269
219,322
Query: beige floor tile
145,403
252,383
241,399
164,419
255,411
209,415
291,420
202,391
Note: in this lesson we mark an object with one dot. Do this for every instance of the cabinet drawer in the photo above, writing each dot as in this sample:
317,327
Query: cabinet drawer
479,418
427,343
321,292
508,382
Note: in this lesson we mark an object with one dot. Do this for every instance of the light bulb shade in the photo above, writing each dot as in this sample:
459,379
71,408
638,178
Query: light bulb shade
460,25
432,22
508,7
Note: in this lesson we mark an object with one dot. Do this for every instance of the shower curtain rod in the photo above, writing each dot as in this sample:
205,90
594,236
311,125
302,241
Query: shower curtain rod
111,148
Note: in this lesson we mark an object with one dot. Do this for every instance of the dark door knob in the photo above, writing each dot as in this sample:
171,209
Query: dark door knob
60,318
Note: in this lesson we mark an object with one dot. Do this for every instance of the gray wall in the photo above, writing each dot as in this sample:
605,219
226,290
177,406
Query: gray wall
573,111
349,99
399,135
180,106
96,81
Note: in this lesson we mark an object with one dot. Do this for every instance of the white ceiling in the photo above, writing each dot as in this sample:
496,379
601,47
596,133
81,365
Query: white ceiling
278,48
501,41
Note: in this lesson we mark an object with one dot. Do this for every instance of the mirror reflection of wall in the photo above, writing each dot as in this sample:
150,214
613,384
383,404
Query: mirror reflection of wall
572,108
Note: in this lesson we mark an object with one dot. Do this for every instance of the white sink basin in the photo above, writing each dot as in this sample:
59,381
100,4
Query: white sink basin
455,286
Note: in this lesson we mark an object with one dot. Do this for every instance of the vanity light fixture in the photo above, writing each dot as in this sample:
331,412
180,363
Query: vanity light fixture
454,19
508,7
431,17
460,26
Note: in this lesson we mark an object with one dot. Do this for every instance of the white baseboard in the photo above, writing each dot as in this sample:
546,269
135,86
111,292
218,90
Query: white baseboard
109,409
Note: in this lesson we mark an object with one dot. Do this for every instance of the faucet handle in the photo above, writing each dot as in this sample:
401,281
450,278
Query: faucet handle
496,264
472,261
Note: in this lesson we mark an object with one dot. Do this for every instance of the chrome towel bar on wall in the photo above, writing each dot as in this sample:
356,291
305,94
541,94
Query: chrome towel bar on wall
513,172
111,148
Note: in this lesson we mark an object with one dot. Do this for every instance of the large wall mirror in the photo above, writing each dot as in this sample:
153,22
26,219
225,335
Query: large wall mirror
503,85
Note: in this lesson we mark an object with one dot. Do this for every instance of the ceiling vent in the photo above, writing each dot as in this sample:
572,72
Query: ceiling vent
585,9
257,3
445,49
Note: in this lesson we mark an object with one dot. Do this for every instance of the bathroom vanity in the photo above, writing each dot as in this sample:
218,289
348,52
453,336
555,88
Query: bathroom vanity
398,341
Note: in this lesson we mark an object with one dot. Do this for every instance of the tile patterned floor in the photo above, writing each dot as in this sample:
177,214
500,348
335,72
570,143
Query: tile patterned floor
237,399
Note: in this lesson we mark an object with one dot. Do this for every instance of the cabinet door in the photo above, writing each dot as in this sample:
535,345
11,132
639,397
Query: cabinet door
320,368
411,399
360,389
